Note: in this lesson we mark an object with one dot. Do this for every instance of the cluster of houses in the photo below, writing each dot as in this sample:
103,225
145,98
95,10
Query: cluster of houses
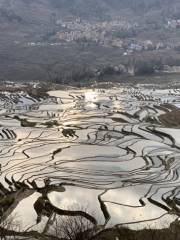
173,23
106,34
102,33
97,32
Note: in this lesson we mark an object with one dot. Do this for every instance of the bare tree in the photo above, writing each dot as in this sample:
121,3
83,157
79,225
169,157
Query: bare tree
12,223
73,228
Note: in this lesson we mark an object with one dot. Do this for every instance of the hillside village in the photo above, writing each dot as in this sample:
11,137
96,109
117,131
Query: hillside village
41,39
115,33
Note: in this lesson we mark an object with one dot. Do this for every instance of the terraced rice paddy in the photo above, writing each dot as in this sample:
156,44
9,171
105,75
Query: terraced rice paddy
104,150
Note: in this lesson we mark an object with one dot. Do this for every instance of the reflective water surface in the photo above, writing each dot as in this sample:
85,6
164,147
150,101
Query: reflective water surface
100,151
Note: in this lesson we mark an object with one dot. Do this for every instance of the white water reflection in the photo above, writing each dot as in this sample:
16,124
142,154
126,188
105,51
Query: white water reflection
107,146
78,199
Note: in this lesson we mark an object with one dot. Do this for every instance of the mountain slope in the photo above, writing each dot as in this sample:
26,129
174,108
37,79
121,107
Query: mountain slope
23,22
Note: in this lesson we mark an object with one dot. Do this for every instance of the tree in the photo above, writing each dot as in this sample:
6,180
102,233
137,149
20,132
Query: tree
73,228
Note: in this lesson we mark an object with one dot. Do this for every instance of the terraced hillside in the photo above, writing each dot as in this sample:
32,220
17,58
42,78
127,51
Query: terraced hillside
107,151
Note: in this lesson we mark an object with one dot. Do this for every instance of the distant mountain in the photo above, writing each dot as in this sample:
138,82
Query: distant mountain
31,17
41,11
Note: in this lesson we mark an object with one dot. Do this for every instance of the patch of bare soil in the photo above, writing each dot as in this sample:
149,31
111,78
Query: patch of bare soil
171,119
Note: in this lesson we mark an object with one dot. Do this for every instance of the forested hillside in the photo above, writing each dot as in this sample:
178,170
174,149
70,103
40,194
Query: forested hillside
65,40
